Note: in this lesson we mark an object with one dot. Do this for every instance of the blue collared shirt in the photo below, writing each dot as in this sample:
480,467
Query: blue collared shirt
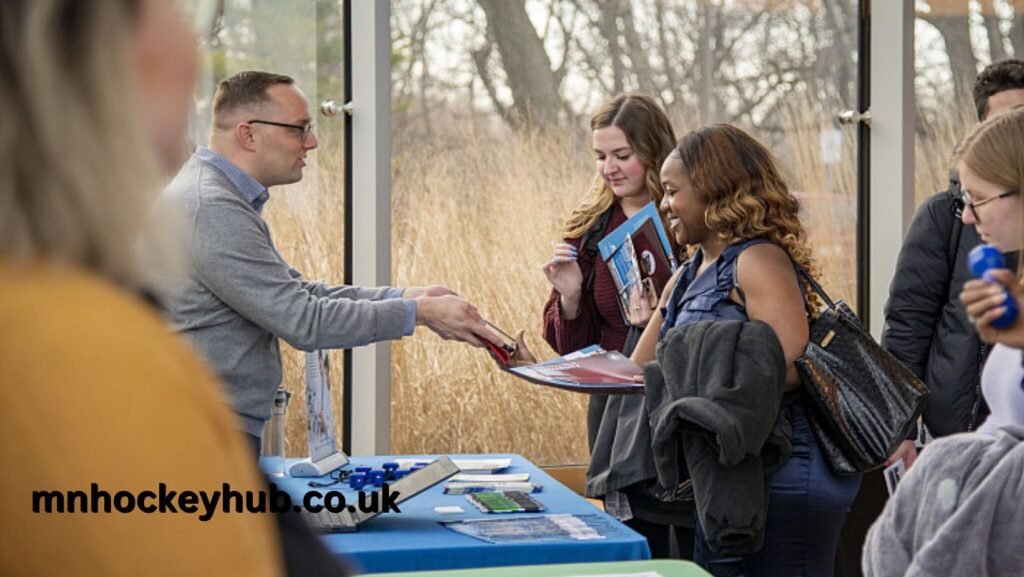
257,195
252,191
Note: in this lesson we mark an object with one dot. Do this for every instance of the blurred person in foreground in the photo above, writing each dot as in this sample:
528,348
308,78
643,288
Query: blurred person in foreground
236,295
631,136
925,324
96,396
725,194
958,511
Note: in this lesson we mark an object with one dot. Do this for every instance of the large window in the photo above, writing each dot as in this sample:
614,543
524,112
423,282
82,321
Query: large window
490,105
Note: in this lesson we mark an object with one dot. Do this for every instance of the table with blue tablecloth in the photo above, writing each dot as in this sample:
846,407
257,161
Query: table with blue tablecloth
415,540
660,567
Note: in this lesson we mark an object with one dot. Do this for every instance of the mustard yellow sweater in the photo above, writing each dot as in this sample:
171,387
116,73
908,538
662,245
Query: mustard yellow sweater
94,389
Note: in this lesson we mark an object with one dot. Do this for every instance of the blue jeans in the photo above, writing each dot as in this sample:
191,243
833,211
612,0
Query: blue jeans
807,506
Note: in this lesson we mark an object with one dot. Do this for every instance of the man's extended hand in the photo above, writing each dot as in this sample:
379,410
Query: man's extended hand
453,318
428,291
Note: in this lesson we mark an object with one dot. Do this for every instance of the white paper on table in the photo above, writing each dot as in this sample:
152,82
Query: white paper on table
498,478
465,465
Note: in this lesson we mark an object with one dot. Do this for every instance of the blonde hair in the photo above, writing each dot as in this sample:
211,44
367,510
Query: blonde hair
649,133
746,196
77,170
994,150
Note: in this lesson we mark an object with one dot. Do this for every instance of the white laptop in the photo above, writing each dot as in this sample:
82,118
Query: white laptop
404,489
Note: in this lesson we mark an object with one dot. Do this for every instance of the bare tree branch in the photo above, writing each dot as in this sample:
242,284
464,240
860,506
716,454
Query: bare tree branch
995,35
480,58
526,63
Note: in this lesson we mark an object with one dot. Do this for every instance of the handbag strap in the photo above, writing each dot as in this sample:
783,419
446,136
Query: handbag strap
814,284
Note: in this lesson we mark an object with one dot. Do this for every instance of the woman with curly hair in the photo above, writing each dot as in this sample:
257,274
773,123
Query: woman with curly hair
724,194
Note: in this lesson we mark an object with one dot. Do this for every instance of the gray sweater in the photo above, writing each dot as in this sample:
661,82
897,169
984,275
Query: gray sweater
957,512
238,295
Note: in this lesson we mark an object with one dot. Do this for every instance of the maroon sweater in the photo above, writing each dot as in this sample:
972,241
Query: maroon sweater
600,318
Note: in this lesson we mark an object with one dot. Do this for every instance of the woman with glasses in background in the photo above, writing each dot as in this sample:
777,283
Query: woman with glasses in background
992,175
957,511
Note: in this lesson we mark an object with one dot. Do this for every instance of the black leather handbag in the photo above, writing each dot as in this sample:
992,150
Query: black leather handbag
863,400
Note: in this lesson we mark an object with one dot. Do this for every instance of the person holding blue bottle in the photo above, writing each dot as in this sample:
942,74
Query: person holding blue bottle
992,173
957,511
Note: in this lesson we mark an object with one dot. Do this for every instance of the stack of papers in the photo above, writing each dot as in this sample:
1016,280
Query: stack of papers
562,527
466,465
462,488
501,478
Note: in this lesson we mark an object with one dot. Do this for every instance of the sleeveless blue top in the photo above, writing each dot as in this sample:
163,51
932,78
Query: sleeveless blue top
706,297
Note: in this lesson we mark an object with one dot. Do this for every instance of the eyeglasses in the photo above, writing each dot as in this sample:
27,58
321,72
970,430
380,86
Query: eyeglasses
965,197
304,130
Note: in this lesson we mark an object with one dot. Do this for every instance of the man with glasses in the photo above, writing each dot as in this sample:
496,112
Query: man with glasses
237,295
926,326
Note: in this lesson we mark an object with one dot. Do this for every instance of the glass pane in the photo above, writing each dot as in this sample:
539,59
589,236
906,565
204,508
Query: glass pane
954,41
491,155
303,39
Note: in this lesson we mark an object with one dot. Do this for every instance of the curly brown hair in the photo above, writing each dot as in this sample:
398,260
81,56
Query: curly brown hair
746,196
649,132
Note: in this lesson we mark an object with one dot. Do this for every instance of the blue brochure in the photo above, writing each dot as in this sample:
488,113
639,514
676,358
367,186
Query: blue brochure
636,251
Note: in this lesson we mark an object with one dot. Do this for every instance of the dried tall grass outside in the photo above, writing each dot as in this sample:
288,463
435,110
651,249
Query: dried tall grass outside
827,193
307,222
935,137
482,215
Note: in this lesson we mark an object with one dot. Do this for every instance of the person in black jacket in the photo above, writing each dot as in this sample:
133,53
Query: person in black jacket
925,324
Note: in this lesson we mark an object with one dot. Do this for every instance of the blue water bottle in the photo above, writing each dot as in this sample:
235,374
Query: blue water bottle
982,259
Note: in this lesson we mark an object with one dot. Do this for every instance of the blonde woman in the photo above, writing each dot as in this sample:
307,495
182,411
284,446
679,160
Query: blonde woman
631,136
992,174
96,397
958,511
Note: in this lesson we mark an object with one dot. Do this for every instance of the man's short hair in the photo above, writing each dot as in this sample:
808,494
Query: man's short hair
245,89
995,78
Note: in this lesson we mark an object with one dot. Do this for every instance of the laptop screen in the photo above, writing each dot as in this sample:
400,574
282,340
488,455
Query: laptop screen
414,483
